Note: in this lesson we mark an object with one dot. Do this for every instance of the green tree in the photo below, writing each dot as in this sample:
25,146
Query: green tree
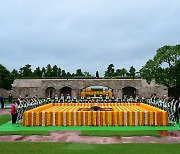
6,78
164,68
79,72
55,71
123,72
73,75
68,75
63,73
97,74
87,74
48,72
117,72
132,71
110,71
26,71
37,72
21,72
59,72
15,73
43,72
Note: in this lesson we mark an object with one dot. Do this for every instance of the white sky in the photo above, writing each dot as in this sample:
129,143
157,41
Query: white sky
86,34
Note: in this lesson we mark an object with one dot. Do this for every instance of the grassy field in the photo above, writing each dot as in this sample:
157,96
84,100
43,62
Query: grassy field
4,119
87,133
25,133
65,148
120,133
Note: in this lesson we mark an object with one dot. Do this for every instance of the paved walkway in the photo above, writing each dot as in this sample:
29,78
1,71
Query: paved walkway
73,136
4,111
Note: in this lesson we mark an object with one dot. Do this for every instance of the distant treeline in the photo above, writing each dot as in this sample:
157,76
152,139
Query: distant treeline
163,68
7,77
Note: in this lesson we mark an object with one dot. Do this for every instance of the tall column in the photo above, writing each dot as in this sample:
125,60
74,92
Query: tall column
75,93
117,93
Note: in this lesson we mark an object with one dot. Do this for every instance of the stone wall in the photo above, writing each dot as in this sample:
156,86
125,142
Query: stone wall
5,92
39,86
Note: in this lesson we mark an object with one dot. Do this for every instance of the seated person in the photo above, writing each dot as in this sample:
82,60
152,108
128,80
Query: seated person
68,98
48,99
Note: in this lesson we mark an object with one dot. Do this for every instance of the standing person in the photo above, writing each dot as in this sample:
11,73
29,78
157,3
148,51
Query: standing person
176,105
68,97
10,98
14,112
2,101
62,98
56,98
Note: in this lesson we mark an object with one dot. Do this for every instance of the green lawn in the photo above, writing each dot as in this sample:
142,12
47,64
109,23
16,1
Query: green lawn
4,119
65,148
87,133
120,133
25,133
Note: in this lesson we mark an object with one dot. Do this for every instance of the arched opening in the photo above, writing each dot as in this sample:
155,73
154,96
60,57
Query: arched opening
129,91
174,92
65,91
96,91
50,91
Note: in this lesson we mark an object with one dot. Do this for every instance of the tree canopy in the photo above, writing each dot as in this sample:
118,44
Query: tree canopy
110,71
164,68
56,72
6,78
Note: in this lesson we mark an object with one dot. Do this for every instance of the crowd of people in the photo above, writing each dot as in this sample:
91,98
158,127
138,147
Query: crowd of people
19,106
2,100
172,105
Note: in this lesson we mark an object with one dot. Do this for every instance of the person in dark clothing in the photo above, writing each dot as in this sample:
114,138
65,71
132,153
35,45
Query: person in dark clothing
10,98
2,101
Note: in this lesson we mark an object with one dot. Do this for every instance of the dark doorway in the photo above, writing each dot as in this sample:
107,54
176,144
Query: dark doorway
65,91
50,91
129,91
174,92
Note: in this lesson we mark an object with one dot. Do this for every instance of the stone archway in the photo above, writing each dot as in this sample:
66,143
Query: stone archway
50,91
129,91
65,91
173,92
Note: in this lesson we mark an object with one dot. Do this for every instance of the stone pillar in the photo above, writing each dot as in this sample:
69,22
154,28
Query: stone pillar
137,93
117,93
75,93
120,93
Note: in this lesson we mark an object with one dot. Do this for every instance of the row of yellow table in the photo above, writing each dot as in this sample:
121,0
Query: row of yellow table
72,114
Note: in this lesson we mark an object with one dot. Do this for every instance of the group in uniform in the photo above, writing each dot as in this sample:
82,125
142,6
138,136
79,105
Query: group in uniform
171,106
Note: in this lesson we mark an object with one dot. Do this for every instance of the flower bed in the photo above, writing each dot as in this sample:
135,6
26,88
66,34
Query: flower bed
78,114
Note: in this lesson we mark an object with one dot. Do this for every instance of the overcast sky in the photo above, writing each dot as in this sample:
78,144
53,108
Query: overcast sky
86,34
